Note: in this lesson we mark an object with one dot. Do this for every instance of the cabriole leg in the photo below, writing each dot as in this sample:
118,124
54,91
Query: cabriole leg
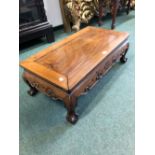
32,91
115,4
70,103
123,59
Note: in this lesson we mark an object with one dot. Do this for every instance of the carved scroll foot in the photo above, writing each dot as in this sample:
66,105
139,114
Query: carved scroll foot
70,103
123,59
72,117
32,91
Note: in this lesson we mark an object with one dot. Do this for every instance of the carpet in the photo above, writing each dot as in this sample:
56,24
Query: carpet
106,124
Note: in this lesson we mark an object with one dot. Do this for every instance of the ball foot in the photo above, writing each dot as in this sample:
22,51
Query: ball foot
32,92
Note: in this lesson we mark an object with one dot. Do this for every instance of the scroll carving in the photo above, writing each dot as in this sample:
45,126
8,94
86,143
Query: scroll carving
105,68
46,90
92,83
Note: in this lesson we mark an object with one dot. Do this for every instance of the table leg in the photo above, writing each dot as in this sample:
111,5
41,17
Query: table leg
32,91
128,7
100,12
70,103
115,4
123,59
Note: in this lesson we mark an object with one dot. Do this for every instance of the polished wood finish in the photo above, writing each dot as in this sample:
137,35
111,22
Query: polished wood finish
71,67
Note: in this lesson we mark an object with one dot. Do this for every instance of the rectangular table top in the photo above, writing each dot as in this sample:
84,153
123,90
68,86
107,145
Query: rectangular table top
67,62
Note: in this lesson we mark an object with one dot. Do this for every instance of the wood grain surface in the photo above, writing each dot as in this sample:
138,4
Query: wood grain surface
67,62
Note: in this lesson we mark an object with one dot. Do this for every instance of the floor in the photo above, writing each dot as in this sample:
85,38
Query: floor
106,123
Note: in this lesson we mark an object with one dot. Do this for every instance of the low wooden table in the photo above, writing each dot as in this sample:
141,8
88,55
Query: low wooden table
71,67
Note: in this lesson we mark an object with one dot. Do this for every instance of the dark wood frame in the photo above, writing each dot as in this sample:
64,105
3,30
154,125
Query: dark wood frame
37,29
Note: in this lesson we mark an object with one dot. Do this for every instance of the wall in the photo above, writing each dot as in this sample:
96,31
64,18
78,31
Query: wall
53,12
